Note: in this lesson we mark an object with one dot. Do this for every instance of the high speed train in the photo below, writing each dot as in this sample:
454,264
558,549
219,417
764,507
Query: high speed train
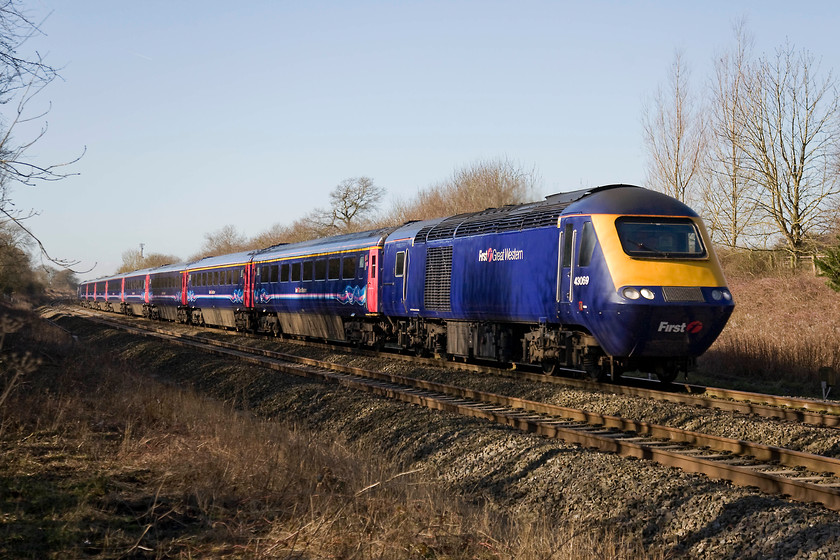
602,280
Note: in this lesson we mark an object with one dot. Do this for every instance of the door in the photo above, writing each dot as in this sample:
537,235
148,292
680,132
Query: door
398,294
576,245
248,288
372,289
184,287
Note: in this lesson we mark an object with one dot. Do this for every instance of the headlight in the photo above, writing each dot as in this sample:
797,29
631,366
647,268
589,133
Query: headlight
716,295
647,294
726,295
630,293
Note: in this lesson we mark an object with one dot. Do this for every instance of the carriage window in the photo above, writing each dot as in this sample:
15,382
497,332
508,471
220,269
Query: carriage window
399,265
660,238
348,269
284,272
274,273
296,272
307,271
264,273
334,269
362,261
587,244
320,270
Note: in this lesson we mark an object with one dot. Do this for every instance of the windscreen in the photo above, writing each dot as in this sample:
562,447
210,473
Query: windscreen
662,238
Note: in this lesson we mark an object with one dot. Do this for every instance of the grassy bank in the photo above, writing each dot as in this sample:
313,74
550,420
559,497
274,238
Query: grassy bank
786,325
100,460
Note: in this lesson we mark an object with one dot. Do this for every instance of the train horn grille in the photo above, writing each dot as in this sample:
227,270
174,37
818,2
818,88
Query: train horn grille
682,293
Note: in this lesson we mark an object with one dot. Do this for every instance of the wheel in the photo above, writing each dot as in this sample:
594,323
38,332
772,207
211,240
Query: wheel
666,374
549,367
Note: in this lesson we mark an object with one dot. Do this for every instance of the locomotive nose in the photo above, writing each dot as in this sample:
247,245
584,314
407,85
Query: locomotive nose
680,330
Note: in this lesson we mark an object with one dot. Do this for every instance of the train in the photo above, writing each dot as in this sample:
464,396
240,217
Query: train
599,281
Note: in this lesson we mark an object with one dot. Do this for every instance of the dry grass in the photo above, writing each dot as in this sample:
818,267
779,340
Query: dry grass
785,327
101,461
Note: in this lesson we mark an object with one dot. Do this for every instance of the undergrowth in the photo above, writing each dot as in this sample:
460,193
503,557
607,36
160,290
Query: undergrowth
98,460
785,327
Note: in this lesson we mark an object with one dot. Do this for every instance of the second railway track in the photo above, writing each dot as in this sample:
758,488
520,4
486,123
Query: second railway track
802,476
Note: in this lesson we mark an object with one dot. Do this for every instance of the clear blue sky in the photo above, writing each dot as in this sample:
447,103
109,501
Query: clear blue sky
197,114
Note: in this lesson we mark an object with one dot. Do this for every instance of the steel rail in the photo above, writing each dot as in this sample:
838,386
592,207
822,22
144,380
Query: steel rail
743,463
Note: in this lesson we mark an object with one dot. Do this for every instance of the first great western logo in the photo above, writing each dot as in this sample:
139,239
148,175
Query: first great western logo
499,255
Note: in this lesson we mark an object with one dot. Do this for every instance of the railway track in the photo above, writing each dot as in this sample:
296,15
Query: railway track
802,476
796,409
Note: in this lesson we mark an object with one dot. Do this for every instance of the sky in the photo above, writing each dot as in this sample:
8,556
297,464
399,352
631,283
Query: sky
197,114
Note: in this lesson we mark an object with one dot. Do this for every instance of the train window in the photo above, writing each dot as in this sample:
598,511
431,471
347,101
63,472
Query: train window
399,264
284,272
295,272
373,267
587,244
204,279
320,269
348,269
660,238
307,271
274,276
362,261
216,278
334,269
567,245
264,274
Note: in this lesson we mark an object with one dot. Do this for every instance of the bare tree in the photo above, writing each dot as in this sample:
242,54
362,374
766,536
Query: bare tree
729,199
352,203
22,79
791,135
480,185
223,241
675,135
134,259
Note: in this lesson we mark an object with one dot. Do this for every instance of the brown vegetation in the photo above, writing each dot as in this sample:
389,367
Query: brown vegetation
101,461
785,327
481,185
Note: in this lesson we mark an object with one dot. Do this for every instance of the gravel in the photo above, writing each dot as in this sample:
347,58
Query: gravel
689,515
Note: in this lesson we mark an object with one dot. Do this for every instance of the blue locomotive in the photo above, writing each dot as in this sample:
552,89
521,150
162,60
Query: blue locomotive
602,280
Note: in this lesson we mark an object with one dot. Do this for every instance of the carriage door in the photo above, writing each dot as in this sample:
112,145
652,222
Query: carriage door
146,288
372,290
575,248
248,289
184,278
